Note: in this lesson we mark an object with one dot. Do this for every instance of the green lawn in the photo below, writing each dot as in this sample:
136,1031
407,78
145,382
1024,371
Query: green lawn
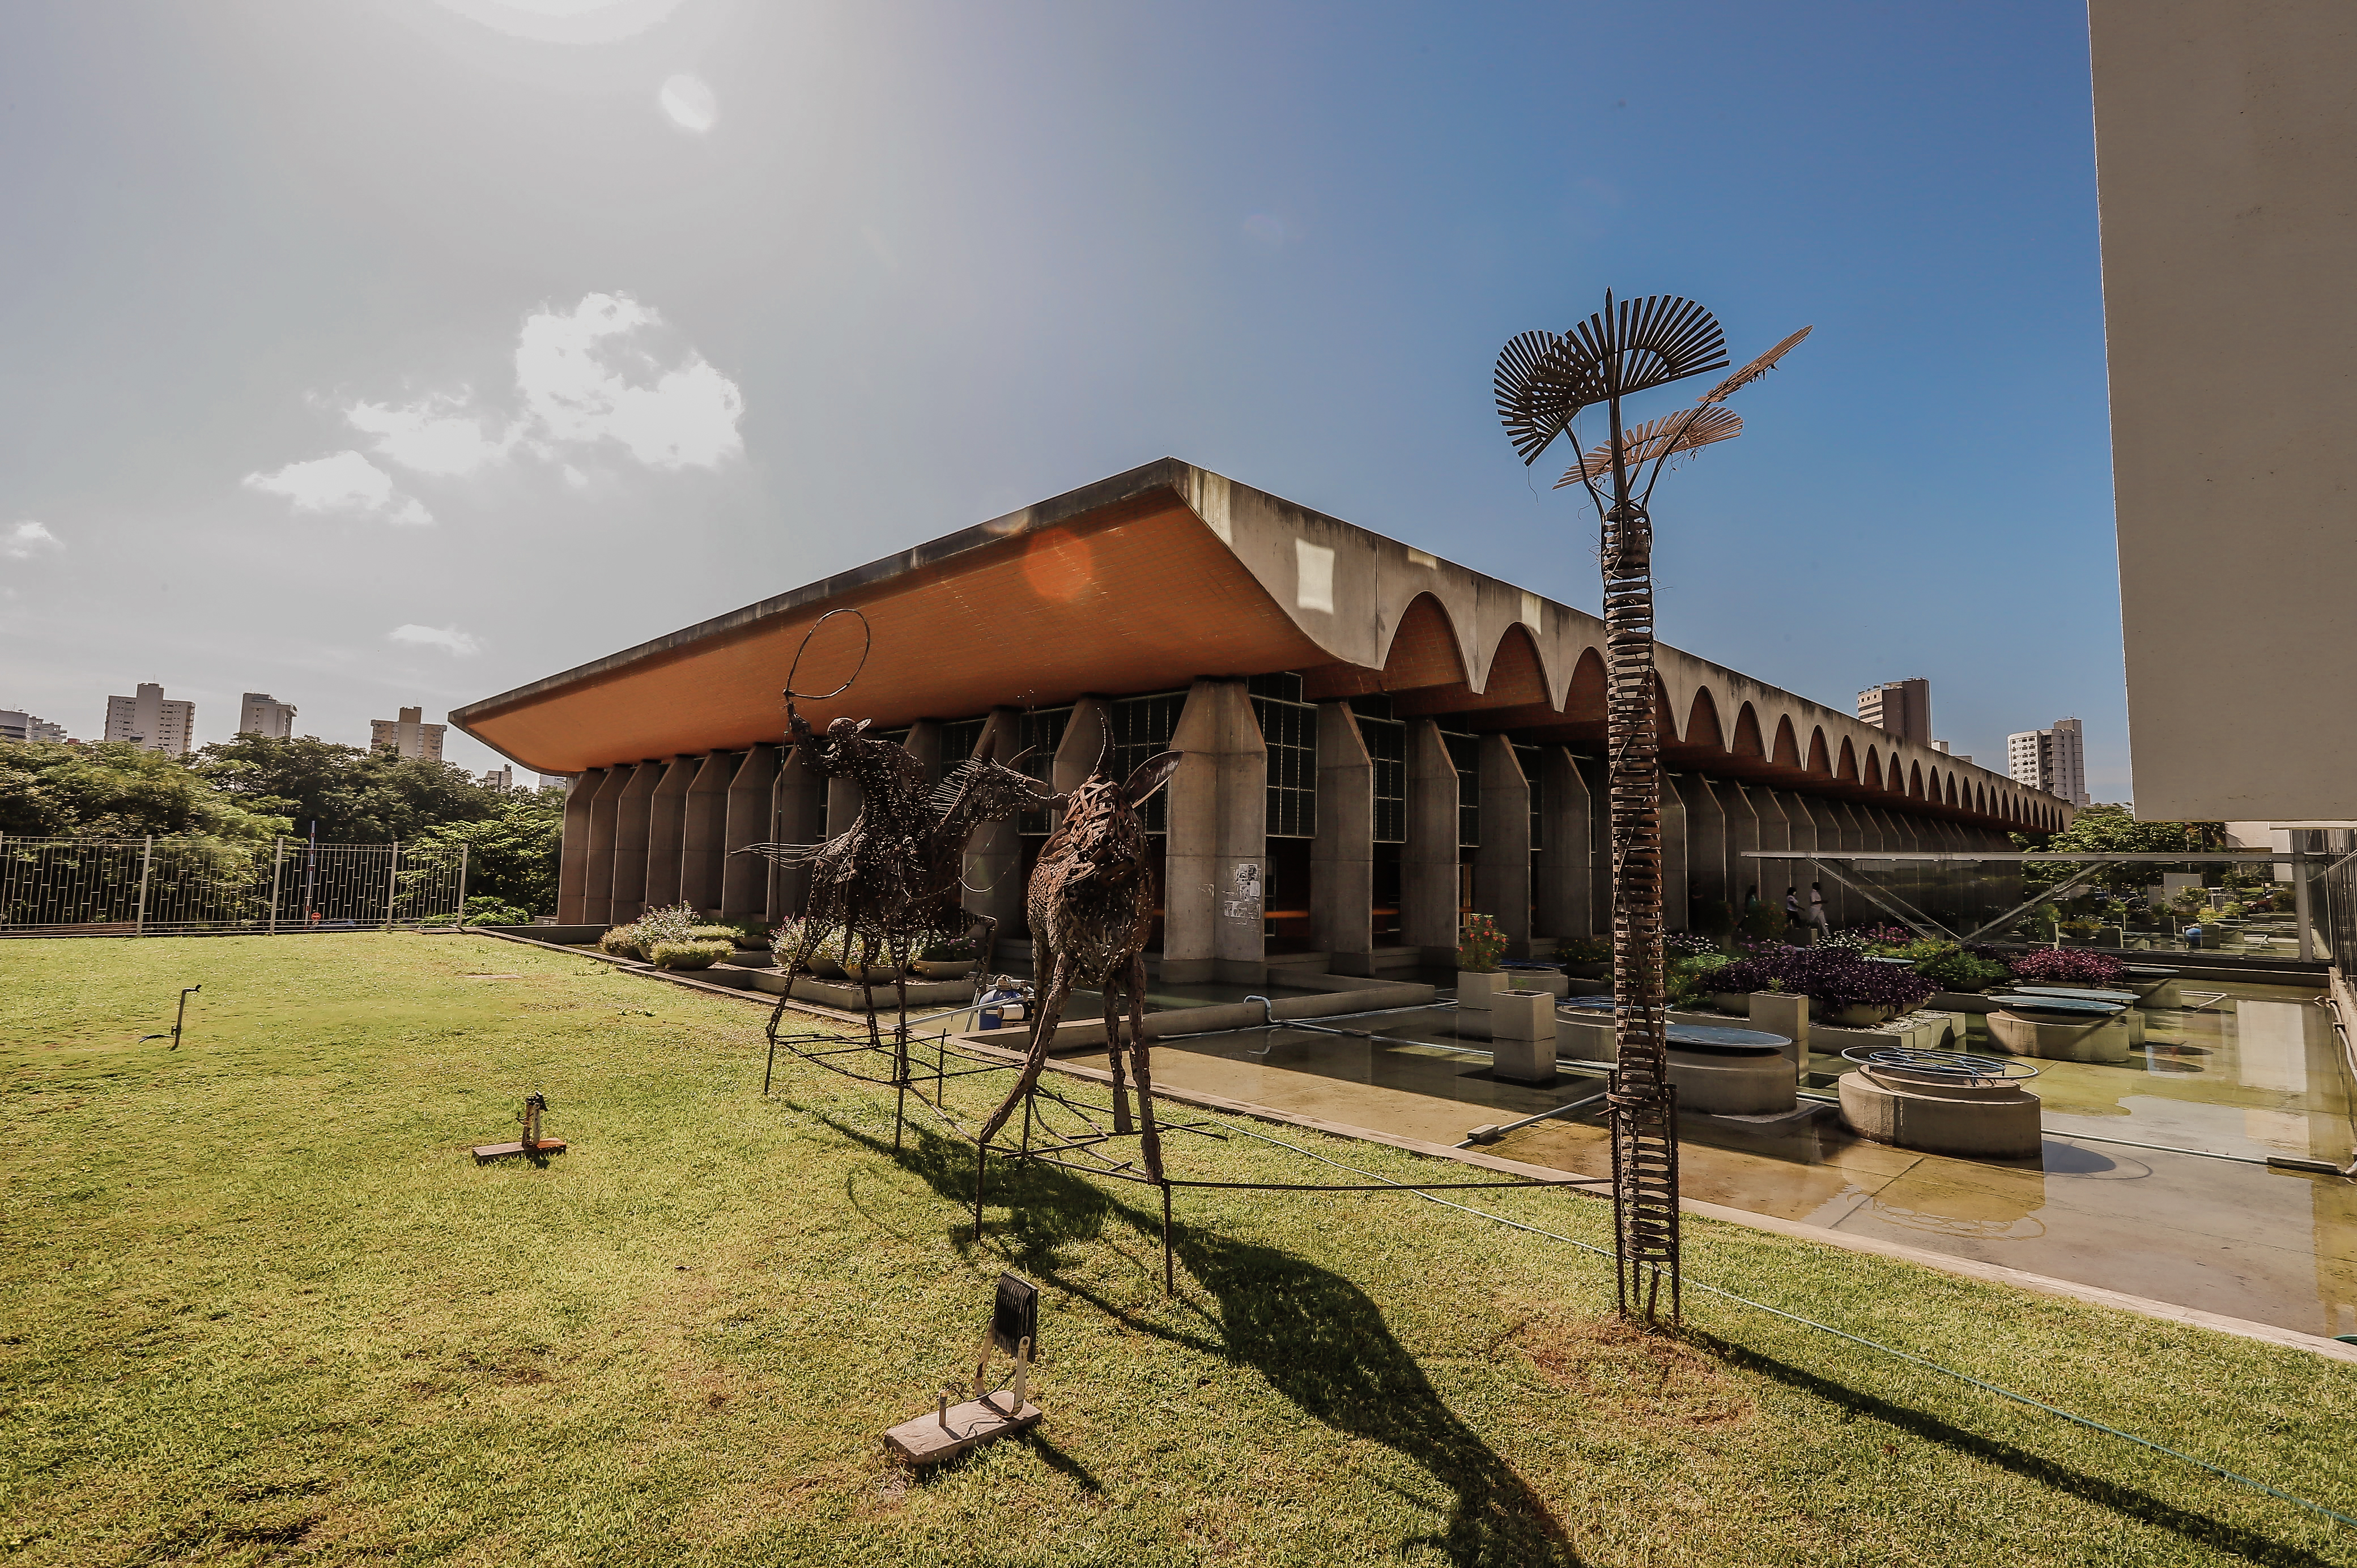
258,1305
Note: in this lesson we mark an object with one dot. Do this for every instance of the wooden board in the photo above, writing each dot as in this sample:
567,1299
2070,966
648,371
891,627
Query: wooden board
925,1441
486,1152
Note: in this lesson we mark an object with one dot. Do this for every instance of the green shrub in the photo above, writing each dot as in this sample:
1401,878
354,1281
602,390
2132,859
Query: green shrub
1584,949
1690,978
490,911
622,941
1950,968
1765,921
689,955
720,934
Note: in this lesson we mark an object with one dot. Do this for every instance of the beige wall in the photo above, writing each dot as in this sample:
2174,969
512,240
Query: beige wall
2226,161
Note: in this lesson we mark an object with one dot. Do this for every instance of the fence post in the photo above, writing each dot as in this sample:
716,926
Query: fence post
147,862
2302,913
464,850
392,881
277,866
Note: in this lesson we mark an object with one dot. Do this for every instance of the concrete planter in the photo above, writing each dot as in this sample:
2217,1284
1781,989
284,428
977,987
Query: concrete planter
1553,981
1600,969
2061,1039
1860,1016
1736,1001
1522,1036
944,969
1474,990
1919,1112
1722,1084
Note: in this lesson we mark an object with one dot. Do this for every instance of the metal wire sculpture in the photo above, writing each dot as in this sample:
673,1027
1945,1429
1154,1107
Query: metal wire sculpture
1544,382
1091,907
892,883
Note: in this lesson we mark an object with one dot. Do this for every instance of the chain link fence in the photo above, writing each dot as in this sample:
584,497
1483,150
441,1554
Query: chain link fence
155,887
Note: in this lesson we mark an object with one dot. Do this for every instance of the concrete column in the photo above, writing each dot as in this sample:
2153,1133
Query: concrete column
994,856
797,815
844,799
1593,774
1774,832
666,831
630,842
572,856
1742,835
1212,926
1342,855
1795,831
744,878
1564,878
1429,859
1502,867
704,831
598,872
1708,877
1084,742
924,743
1674,890
1827,841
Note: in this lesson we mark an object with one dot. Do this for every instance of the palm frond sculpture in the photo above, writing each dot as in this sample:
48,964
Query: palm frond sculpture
1545,382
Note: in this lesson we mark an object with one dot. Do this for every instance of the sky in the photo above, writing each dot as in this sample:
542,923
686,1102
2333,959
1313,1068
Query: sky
404,351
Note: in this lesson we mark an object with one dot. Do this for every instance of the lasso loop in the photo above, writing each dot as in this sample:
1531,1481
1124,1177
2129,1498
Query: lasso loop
866,644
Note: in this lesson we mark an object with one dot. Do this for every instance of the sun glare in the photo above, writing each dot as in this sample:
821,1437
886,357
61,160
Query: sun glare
689,100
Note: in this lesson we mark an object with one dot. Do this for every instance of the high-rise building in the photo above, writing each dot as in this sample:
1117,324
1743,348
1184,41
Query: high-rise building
1902,707
16,725
408,736
500,779
2054,760
260,714
148,720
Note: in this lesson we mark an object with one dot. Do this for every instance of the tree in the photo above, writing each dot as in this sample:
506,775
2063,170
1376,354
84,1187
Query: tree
356,795
116,790
511,856
2114,830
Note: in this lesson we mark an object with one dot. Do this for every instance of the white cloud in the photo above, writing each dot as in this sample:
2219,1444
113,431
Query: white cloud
29,538
343,482
691,102
449,638
430,437
588,376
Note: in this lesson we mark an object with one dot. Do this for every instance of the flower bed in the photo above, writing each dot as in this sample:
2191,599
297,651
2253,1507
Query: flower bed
1834,977
2068,966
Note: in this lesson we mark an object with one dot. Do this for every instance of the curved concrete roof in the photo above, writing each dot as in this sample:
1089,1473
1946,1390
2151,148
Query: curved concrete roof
1147,580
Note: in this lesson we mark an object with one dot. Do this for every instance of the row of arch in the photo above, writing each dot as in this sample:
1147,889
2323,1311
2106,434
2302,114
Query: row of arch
1425,671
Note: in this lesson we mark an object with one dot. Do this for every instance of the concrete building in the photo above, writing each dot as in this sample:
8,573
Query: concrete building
500,779
2054,760
408,736
18,725
2225,153
258,714
1376,740
1901,707
148,719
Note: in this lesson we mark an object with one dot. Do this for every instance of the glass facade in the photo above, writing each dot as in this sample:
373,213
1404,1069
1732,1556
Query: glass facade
1385,740
1465,755
1288,727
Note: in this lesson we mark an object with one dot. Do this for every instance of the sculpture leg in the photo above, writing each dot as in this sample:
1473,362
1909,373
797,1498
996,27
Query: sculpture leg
1043,1030
1150,1144
900,1061
1121,1123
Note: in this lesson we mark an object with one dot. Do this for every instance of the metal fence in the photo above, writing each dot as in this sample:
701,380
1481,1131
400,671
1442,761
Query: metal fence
162,887
2332,890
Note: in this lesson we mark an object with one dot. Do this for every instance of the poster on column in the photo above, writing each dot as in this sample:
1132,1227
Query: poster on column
1242,902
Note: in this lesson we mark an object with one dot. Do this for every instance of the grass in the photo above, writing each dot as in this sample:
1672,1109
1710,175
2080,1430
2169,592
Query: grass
258,1305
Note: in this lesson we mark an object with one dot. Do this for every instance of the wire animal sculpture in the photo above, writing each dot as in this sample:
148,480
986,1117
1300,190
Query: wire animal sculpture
1544,382
892,883
1091,906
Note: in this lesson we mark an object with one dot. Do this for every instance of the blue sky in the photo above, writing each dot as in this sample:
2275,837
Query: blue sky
392,353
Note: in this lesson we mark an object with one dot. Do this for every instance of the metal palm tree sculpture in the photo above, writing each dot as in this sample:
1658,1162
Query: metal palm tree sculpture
1544,383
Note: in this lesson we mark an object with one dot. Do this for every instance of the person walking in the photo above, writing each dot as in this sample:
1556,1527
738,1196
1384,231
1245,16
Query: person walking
1817,926
1793,910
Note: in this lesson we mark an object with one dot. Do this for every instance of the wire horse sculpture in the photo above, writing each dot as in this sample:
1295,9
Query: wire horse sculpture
1544,382
891,881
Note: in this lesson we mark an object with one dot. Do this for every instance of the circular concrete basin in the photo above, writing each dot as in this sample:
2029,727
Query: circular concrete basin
1941,1103
2062,1028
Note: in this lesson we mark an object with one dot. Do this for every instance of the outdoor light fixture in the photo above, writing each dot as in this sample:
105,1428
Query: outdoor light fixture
948,1431
178,1019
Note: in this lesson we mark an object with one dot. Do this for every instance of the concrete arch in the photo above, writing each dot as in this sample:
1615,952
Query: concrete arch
1747,733
1819,761
1702,721
1847,770
1424,650
1915,780
1786,752
1585,701
1873,779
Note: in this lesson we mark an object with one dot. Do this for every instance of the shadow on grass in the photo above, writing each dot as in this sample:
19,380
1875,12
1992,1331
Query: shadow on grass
1314,1337
2125,1501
